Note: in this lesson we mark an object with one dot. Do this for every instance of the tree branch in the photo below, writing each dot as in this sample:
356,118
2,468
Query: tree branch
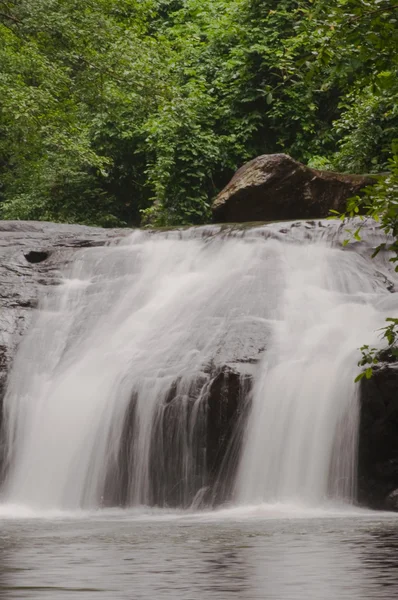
11,17
372,12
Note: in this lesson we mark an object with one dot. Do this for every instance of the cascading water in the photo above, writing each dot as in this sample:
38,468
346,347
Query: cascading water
302,435
107,402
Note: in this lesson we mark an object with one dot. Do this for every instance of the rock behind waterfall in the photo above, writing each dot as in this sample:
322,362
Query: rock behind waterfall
378,439
276,187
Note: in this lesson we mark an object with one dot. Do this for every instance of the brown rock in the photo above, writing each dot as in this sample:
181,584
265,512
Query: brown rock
275,187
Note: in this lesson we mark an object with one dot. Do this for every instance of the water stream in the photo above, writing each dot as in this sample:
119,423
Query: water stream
107,403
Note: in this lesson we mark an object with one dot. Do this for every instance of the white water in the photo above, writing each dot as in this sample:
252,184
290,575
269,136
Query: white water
302,435
144,322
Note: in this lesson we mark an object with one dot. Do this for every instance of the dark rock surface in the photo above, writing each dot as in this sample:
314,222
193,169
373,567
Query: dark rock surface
32,254
378,439
195,443
276,187
228,404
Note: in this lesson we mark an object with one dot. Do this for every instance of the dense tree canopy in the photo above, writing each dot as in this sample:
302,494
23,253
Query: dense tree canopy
128,111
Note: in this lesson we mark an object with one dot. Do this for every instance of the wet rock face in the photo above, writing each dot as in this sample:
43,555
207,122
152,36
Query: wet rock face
276,187
32,255
378,440
195,443
228,405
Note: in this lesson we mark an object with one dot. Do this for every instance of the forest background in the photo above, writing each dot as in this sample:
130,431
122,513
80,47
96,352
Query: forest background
126,112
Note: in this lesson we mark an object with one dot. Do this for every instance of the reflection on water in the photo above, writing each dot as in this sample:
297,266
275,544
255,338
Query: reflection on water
189,557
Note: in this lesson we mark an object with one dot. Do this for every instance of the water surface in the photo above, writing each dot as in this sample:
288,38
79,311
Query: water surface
274,553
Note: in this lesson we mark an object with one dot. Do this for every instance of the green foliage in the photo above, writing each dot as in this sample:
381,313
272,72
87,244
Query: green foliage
121,111
372,356
75,87
355,47
380,202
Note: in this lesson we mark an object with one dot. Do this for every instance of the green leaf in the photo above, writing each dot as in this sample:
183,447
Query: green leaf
368,373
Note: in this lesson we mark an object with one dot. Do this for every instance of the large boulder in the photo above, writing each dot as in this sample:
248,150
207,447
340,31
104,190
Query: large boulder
275,187
378,439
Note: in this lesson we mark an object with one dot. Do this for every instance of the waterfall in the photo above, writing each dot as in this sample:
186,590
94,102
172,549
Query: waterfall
302,435
108,399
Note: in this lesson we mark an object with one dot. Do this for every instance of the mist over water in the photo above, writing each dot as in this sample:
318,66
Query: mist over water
111,407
